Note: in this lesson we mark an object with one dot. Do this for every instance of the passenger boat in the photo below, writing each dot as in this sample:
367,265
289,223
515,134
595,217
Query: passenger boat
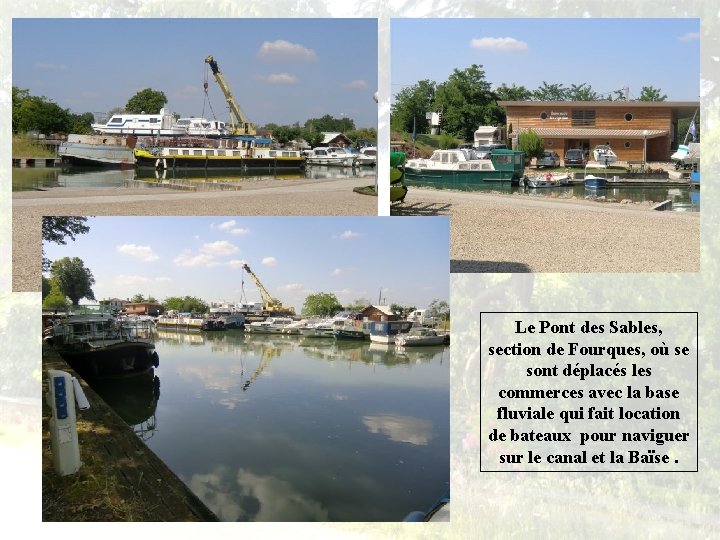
240,154
201,127
386,331
161,124
271,325
367,156
179,320
97,344
322,329
548,180
419,336
99,150
463,165
604,154
331,156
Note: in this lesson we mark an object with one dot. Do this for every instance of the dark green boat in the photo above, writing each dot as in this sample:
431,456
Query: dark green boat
458,167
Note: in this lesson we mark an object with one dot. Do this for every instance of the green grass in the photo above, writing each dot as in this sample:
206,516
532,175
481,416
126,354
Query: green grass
24,147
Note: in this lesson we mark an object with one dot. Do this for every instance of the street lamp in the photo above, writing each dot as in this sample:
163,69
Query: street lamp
645,134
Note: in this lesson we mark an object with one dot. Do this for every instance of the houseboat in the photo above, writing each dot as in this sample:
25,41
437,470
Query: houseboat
99,150
386,331
239,154
449,167
202,127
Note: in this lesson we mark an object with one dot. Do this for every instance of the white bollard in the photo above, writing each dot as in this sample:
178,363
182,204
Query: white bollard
63,422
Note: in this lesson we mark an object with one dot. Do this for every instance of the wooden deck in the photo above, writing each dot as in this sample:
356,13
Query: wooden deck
121,478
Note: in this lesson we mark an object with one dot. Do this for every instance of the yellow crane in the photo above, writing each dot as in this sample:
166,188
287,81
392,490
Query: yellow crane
271,306
240,126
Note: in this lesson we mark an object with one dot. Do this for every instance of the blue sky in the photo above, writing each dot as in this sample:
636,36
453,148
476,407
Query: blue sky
279,70
351,257
608,54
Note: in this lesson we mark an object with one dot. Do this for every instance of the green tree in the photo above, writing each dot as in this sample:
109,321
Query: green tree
313,138
185,304
140,298
650,93
146,101
285,134
321,304
582,92
447,141
403,311
439,309
46,286
73,279
362,134
81,123
329,123
466,102
358,305
551,92
55,299
531,143
513,93
34,113
410,106
57,229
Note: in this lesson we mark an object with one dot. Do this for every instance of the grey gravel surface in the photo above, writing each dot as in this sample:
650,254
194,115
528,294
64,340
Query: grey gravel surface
519,233
270,198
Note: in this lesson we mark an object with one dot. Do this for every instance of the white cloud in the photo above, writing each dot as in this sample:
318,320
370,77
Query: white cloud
238,231
357,84
276,78
187,259
269,261
221,247
337,272
123,279
163,279
499,44
225,225
144,253
237,263
407,429
690,36
284,51
349,234
291,287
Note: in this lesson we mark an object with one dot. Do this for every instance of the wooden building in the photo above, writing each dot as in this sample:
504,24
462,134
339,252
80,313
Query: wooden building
143,308
631,128
378,314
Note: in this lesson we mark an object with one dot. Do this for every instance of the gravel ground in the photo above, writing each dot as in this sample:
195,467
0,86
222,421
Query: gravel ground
516,233
267,198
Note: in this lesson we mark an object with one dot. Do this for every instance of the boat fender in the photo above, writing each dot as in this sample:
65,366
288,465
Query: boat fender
155,359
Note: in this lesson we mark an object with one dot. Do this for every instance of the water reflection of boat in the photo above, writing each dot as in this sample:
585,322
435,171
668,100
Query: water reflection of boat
134,399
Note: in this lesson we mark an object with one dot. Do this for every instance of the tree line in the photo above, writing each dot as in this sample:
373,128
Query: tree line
467,100
38,113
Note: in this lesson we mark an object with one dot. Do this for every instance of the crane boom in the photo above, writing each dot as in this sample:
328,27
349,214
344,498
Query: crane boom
243,127
270,304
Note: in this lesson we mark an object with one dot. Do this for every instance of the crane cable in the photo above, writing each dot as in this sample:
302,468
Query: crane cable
207,96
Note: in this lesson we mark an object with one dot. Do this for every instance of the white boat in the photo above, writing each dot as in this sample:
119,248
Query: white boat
202,127
271,325
419,336
593,181
331,155
179,320
322,329
548,180
604,154
367,156
162,124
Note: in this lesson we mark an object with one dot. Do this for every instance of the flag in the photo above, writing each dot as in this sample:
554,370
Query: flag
692,131
415,134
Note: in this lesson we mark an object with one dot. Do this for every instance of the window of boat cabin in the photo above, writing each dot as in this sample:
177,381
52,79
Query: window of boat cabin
185,152
116,120
221,152
197,153
237,153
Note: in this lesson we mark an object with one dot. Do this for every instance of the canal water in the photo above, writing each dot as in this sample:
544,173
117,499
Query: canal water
281,428
34,179
685,198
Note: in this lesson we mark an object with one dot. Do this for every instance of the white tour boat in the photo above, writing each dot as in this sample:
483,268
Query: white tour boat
331,155
163,124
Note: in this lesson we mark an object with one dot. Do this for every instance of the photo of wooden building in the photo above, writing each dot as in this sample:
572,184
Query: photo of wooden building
636,130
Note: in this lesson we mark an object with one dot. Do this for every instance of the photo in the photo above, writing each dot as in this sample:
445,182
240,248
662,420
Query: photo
551,152
246,369
268,117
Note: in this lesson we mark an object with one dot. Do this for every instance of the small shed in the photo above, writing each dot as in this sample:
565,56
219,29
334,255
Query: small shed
378,314
335,139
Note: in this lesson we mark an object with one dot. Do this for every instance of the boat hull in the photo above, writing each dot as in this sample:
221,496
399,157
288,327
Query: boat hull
125,358
147,160
453,178
98,150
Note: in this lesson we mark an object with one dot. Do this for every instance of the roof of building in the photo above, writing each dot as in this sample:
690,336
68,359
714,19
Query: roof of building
331,135
683,107
385,309
597,133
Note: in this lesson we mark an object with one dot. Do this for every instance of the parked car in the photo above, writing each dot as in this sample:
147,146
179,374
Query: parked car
548,159
483,150
575,156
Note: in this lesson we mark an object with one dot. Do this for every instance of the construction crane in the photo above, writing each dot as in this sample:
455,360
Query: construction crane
242,126
271,306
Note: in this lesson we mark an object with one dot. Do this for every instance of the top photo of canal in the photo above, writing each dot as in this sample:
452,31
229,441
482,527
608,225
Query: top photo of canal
554,145
190,117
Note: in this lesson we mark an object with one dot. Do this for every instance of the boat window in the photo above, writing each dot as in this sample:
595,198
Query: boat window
221,152
486,166
453,158
186,152
503,159
154,120
444,158
272,153
116,120
517,159
435,156
237,153
197,153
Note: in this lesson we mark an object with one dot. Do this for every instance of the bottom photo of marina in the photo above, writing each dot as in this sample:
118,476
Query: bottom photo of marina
246,369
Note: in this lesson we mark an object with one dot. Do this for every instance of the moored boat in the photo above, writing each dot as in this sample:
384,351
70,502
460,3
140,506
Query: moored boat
463,165
593,181
350,332
242,154
98,150
98,344
548,180
604,154
331,156
386,331
271,325
419,336
161,124
367,156
202,127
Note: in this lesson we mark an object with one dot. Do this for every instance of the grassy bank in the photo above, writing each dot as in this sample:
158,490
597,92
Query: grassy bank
24,147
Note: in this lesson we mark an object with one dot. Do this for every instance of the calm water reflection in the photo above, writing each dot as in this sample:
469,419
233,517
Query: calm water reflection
33,179
266,428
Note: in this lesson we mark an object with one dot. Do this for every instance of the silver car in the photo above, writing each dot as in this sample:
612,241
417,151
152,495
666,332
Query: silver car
548,159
